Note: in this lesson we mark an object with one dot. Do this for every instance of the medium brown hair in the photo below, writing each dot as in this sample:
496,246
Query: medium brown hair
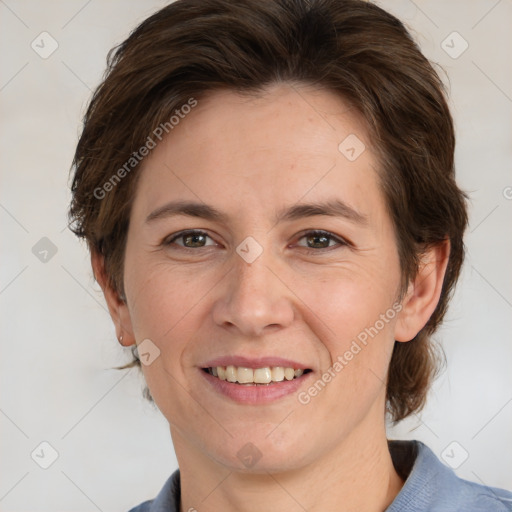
349,47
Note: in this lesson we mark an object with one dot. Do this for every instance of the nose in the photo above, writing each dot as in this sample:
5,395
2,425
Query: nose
255,298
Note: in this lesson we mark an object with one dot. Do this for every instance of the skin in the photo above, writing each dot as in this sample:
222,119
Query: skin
250,157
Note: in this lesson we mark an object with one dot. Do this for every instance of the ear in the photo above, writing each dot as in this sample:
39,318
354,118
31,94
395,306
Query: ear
116,305
423,293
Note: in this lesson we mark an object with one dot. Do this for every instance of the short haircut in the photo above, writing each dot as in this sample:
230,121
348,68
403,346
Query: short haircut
351,48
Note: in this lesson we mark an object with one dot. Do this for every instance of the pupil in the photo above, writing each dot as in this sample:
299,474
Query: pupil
317,237
194,238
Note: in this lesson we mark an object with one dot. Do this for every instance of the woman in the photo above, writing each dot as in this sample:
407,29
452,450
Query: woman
267,191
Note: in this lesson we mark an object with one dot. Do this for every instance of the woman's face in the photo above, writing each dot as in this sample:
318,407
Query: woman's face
254,288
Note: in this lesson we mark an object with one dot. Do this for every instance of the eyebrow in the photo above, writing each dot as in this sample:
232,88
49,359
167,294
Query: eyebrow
332,208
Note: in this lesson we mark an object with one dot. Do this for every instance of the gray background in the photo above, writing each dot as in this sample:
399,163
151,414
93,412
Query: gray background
58,344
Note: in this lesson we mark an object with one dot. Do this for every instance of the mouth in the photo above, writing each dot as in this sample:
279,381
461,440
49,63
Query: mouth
265,376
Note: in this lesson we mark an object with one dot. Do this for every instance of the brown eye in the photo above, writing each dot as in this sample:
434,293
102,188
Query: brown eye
321,240
190,239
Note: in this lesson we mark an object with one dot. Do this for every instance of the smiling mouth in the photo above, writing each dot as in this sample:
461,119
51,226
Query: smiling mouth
255,376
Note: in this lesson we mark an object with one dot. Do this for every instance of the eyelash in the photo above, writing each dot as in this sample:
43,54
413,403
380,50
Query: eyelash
315,232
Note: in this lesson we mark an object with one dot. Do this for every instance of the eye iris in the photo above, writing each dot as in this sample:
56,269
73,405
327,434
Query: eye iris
324,238
194,237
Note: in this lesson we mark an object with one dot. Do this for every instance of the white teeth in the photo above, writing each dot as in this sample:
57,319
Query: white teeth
278,374
262,376
231,373
289,373
265,375
245,375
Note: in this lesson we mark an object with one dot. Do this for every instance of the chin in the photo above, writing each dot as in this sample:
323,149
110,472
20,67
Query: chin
263,453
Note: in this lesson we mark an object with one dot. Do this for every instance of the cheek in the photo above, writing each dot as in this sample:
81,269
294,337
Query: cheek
358,344
167,306
353,314
161,298
164,309
348,300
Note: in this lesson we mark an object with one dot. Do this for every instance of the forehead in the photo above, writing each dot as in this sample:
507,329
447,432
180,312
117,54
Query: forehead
286,144
280,118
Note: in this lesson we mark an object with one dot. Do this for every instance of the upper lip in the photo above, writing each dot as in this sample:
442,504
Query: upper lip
260,362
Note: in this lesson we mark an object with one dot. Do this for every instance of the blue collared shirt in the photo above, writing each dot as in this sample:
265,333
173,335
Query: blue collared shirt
430,486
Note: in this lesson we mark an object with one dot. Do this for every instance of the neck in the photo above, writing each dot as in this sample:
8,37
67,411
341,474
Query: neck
358,474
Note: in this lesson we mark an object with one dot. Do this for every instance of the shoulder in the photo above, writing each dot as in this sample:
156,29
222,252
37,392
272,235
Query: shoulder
168,499
433,486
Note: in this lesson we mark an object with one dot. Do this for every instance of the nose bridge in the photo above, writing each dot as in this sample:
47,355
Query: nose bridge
254,298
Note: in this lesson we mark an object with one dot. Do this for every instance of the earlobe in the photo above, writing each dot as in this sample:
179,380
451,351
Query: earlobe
423,292
117,307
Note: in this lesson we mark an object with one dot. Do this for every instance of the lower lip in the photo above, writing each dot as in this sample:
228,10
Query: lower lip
257,394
